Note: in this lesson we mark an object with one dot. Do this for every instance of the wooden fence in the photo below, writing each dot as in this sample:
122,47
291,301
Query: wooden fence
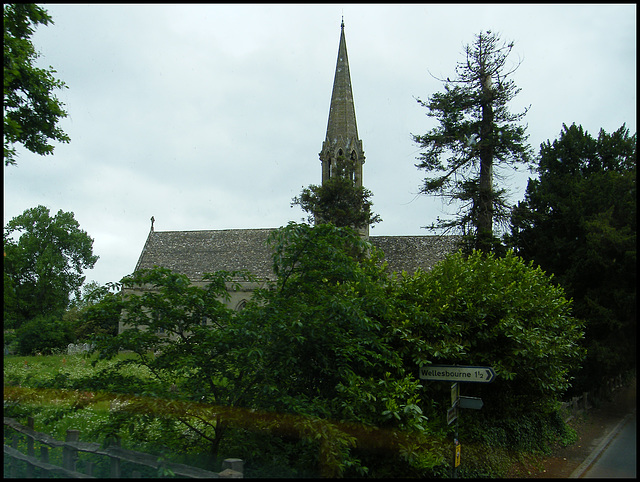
232,468
581,403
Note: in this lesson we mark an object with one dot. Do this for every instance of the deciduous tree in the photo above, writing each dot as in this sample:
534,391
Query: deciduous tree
31,112
87,316
315,344
44,261
501,312
338,200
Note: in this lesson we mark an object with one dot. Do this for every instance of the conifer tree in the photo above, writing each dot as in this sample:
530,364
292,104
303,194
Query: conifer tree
476,133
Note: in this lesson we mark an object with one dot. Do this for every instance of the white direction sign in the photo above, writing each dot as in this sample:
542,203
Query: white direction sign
470,402
457,373
452,414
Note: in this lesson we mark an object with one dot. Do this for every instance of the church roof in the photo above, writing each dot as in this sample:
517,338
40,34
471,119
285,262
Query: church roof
408,253
194,253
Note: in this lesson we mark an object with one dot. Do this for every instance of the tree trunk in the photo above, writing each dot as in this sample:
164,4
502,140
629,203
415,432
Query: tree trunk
215,443
484,210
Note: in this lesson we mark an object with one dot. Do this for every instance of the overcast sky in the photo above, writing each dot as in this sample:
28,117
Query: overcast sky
212,116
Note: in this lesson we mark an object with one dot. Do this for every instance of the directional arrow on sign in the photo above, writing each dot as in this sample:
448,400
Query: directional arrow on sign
457,373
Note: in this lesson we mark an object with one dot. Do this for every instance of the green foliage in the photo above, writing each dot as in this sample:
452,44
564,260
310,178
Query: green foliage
44,334
338,200
43,265
90,321
475,135
30,110
266,455
492,446
532,432
325,318
578,221
568,437
315,344
64,371
498,312
317,375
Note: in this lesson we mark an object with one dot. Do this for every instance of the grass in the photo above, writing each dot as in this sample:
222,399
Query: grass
33,371
61,372
56,410
49,365
47,388
55,415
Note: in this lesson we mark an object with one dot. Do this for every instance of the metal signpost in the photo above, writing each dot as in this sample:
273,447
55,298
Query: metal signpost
455,393
455,374
452,414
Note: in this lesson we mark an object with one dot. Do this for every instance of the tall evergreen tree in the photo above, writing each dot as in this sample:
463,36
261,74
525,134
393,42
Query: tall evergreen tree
578,221
476,133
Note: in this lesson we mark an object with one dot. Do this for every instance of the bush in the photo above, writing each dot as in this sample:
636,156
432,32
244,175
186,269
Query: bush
44,334
531,433
498,312
10,342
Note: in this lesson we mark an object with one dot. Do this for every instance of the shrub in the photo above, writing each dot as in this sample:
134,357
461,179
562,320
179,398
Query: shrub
44,334
498,312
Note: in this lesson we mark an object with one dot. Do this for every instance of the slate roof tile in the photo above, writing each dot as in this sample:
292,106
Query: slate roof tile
197,252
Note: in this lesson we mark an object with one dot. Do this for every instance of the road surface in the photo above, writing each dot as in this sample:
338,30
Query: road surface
618,460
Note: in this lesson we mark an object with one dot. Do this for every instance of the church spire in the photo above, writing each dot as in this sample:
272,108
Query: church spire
342,132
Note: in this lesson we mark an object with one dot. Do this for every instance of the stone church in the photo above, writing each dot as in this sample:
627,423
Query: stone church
194,253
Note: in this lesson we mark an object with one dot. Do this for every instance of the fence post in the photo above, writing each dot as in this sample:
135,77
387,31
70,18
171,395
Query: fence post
115,463
233,464
70,455
14,462
30,447
44,456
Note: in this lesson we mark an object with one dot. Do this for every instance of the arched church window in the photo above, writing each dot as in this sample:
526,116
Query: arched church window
240,306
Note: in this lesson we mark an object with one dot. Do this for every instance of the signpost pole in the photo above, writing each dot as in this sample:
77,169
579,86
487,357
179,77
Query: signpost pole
455,438
455,452
456,374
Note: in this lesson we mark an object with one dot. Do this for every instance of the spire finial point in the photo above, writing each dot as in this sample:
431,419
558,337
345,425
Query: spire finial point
342,23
